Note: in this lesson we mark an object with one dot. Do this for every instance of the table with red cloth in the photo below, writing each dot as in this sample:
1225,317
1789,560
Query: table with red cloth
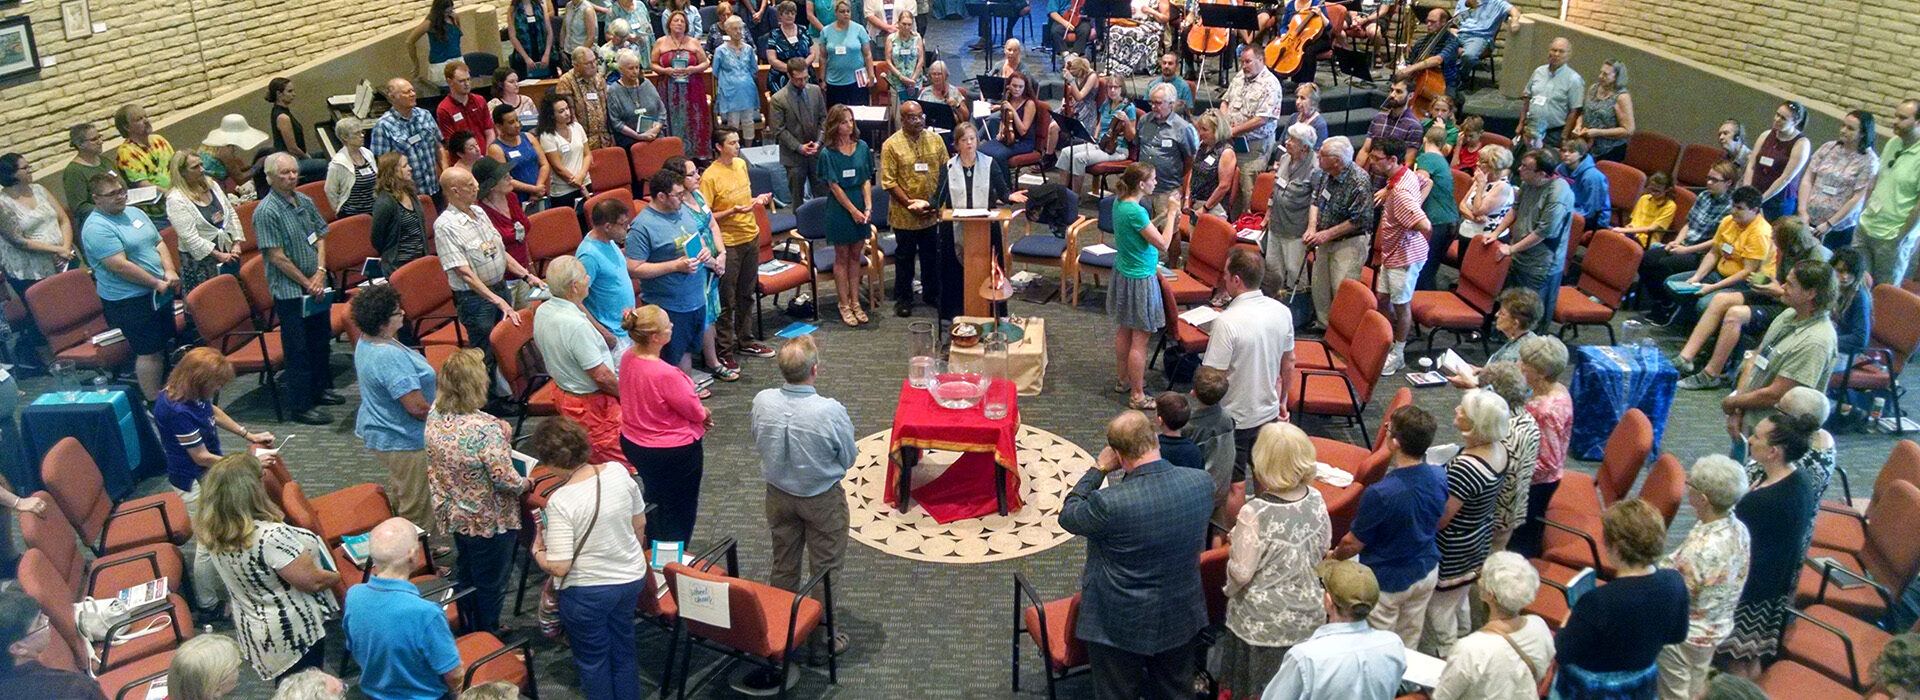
986,478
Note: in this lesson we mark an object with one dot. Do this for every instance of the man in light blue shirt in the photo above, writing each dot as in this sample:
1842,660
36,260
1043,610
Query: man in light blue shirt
1480,22
1554,92
400,640
1345,658
805,443
609,272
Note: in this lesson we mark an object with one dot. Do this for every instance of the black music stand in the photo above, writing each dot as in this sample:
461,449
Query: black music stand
993,88
997,14
1221,16
1357,66
1075,132
939,114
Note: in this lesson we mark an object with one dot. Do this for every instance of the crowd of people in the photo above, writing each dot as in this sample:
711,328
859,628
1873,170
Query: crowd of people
1777,255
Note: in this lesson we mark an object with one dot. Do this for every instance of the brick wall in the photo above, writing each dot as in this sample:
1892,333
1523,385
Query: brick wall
1846,52
173,55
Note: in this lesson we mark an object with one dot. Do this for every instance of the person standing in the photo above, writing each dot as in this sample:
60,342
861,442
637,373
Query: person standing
1778,159
1337,223
1395,125
1293,172
86,141
413,133
1555,92
661,241
633,101
576,347
1276,541
729,191
397,389
476,492
1713,562
353,172
1169,144
1438,201
1404,230
476,261
206,227
586,92
1344,658
1395,529
1134,301
805,443
293,239
794,116
461,109
910,170
135,277
521,152
36,242
1251,116
1890,224
845,163
843,48
142,158
1141,602
400,639
1252,341
1508,656
662,424
280,591
1540,223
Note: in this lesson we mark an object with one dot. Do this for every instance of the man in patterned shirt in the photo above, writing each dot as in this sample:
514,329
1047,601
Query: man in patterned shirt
1337,222
293,241
1252,114
1395,122
414,133
1404,229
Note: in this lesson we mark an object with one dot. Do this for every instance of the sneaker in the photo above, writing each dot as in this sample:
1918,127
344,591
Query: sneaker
756,350
1684,365
729,363
1701,380
1395,363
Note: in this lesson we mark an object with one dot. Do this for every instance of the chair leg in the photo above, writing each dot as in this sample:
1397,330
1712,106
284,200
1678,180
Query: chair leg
1610,340
273,394
673,649
526,568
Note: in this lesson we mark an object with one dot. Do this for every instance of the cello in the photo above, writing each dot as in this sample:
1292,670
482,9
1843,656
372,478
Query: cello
1208,41
1285,53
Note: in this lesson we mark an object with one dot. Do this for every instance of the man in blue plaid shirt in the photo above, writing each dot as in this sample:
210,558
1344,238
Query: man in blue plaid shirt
414,133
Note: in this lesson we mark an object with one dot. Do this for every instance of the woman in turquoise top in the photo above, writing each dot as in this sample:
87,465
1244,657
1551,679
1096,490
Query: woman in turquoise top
443,42
846,164
696,204
639,23
738,97
843,49
1134,301
905,50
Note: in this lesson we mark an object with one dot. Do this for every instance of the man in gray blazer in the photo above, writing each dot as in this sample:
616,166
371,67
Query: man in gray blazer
1140,604
798,110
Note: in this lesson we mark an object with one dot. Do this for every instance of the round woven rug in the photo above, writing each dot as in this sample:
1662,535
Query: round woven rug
1049,466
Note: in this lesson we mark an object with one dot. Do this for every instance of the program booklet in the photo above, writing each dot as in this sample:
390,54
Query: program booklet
138,596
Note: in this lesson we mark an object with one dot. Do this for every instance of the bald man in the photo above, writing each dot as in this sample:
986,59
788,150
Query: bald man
1141,602
476,261
1554,92
412,132
293,241
400,639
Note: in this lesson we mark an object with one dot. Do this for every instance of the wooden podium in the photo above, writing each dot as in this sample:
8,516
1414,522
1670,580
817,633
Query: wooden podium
976,254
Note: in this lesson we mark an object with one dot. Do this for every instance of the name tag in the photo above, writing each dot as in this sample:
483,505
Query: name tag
566,148
1726,248
847,173
513,153
459,117
1209,160
137,224
313,238
1540,101
594,96
1766,162
1829,190
919,167
413,139
1166,143
839,50
1760,362
519,231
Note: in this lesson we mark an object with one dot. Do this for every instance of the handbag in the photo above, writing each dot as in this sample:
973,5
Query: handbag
548,614
94,617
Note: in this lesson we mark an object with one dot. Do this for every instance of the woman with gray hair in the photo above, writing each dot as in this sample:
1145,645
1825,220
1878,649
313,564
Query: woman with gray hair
311,684
1713,563
1483,666
206,667
1519,311
1287,208
352,173
1543,359
1466,522
1522,443
1606,117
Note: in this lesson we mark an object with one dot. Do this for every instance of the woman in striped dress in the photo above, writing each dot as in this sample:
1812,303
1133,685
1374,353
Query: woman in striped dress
1474,477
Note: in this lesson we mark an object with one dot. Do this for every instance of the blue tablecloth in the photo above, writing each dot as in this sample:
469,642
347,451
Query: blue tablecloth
112,424
1608,380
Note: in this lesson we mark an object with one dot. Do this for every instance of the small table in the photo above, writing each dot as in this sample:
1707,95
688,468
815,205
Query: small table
920,424
1608,380
111,424
1026,358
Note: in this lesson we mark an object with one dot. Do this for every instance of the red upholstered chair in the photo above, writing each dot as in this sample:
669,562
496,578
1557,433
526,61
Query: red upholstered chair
1262,194
1188,337
428,302
1683,200
1840,646
610,171
37,577
552,233
1696,160
1843,526
1050,625
106,575
1213,239
484,658
225,323
1895,338
1347,391
1886,565
622,195
1626,452
1366,466
317,191
249,243
253,282
73,478
1791,679
349,511
773,284
1624,184
1470,306
522,366
67,309
650,156
1493,138
1350,302
767,624
1608,271
1652,152
1665,487
1577,236
349,244
1213,583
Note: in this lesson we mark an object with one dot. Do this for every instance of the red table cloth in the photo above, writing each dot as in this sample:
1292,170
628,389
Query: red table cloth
974,485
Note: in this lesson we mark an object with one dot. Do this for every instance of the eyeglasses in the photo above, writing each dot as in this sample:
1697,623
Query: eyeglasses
110,194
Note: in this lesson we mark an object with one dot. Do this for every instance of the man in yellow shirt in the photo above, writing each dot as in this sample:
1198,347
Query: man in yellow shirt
729,191
1743,242
911,163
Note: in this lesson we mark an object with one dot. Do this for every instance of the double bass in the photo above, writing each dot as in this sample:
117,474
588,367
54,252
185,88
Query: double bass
1429,83
1285,53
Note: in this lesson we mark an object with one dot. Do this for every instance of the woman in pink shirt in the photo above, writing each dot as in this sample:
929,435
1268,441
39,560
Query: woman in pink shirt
1543,359
661,424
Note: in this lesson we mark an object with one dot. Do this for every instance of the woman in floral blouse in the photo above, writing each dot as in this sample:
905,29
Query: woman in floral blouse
1836,181
476,492
1713,562
1273,595
1543,359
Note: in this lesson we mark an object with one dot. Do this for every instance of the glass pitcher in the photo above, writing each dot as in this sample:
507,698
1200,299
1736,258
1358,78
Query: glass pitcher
994,358
922,350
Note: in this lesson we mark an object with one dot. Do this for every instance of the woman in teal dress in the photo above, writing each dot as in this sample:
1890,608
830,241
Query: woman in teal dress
696,204
1134,299
846,164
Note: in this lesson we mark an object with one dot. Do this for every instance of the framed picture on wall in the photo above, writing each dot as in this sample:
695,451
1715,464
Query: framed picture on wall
76,17
18,55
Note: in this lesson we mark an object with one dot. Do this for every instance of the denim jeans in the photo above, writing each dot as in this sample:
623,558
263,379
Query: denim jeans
603,647
483,564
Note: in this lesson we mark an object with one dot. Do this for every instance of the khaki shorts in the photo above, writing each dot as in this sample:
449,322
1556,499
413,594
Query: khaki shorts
1397,283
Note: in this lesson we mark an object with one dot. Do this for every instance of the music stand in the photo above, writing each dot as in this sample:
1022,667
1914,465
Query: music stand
1357,66
1100,11
993,88
1074,131
1222,16
939,114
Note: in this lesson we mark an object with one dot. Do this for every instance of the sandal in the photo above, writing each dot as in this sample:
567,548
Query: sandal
1141,402
1121,388
703,394
723,373
860,313
847,317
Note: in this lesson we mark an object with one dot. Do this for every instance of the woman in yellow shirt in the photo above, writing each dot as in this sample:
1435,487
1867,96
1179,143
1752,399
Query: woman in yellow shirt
1653,213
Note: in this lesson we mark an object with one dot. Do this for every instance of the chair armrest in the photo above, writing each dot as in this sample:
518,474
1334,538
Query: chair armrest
1846,487
823,581
730,547
1831,571
121,694
1846,642
101,564
1842,510
519,644
459,331
1593,546
165,522
1307,372
173,624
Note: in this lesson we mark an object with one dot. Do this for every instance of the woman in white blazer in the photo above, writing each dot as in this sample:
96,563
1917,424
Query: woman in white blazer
351,173
204,222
